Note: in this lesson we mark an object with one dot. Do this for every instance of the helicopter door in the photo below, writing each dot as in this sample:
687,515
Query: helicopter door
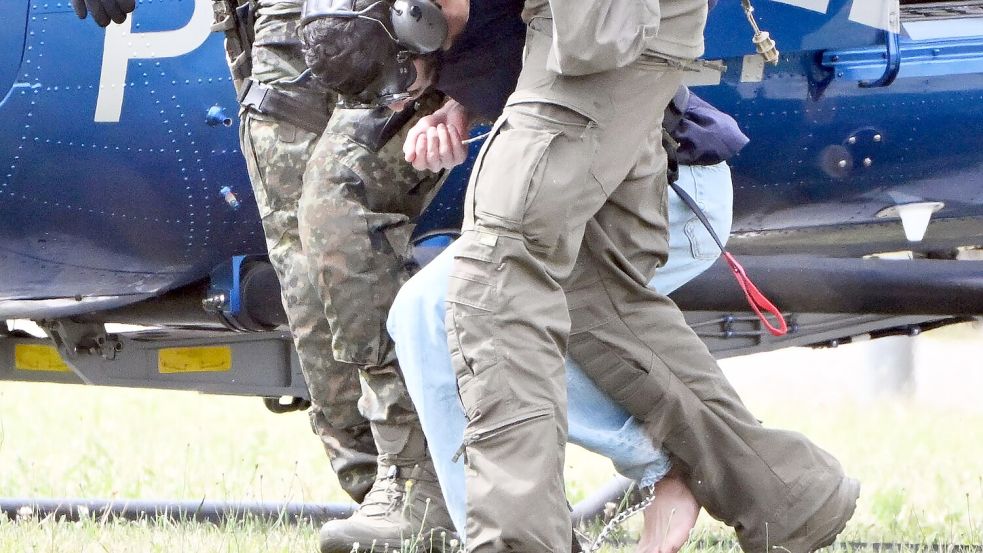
936,39
797,25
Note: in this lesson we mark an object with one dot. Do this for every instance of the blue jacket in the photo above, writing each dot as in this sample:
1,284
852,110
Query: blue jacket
706,135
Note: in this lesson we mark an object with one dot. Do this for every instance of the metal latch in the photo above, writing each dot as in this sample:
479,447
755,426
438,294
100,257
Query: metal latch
763,42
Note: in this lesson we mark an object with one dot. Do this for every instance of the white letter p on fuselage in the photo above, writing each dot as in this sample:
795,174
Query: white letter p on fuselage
121,46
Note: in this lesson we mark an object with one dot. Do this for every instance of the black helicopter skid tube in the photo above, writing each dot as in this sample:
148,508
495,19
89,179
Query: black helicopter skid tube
843,285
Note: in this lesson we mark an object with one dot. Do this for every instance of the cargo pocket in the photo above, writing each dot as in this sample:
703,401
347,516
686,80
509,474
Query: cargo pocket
470,280
253,165
266,146
536,168
508,168
398,237
491,432
484,393
472,299
701,244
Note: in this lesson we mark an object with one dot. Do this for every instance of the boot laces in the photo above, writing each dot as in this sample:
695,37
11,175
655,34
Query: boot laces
390,495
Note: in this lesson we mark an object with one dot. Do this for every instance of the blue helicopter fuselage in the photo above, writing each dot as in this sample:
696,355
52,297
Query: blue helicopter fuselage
123,179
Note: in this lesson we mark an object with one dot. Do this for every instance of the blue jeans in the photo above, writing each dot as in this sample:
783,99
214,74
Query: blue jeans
596,422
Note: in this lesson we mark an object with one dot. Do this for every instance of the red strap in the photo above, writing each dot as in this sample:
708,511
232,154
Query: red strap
757,300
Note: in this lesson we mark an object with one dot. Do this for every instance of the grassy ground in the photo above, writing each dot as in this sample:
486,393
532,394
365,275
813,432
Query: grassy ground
920,457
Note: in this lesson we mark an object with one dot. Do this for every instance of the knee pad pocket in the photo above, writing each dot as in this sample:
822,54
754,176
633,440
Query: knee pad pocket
518,471
484,394
620,374
270,158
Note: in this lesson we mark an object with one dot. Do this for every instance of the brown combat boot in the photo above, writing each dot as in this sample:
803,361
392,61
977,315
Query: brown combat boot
405,505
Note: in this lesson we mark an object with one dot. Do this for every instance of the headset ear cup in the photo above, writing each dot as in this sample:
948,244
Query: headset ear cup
419,25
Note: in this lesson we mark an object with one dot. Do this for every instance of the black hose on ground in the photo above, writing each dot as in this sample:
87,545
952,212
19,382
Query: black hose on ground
218,512
73,509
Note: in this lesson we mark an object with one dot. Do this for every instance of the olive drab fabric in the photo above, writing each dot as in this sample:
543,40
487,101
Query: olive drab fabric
549,167
591,36
565,223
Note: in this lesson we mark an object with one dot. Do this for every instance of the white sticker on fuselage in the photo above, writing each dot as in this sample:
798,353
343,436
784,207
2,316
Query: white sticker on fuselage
881,14
752,69
122,45
948,28
814,5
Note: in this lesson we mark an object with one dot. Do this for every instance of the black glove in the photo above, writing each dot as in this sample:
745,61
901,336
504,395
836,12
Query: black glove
104,10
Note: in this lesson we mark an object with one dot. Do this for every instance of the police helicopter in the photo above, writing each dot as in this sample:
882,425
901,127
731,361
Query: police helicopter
124,196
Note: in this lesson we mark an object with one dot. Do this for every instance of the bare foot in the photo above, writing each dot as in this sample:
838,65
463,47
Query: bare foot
669,519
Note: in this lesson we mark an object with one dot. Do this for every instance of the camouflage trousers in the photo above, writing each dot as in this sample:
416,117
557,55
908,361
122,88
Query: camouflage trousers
354,203
276,155
356,217
338,215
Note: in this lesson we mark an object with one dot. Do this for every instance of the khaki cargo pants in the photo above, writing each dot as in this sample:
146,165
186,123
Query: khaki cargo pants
568,210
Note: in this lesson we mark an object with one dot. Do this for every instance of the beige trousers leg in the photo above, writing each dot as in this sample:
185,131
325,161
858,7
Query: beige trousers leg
555,156
567,211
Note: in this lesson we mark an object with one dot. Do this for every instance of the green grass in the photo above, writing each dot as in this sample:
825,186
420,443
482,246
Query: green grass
921,464
93,536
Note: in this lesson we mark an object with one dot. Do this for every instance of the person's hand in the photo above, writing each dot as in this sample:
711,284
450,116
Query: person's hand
435,142
104,11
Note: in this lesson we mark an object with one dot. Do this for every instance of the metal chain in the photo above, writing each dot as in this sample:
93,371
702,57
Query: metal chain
618,519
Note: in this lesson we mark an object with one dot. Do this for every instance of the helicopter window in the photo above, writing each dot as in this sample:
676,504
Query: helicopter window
933,9
920,10
938,3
